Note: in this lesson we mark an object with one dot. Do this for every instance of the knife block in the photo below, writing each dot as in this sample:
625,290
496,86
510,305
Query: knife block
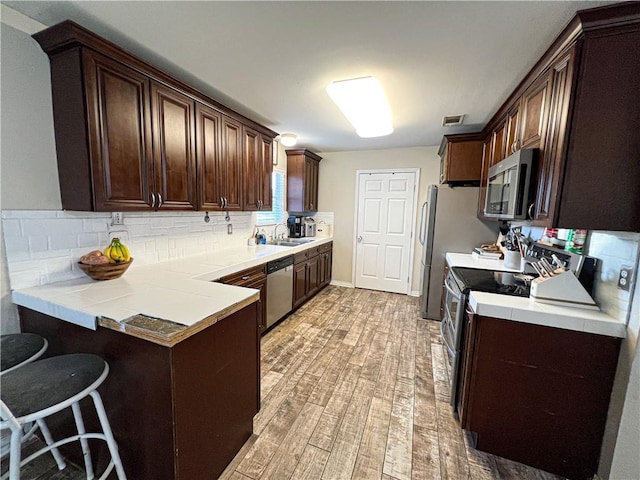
562,289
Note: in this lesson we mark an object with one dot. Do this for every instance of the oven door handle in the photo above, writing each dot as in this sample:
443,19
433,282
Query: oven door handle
457,295
444,339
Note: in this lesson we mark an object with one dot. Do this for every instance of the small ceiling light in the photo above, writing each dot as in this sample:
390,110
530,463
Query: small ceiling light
288,139
365,105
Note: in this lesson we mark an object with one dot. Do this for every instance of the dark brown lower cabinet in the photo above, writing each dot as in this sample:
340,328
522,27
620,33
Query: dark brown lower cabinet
179,412
535,394
255,277
311,272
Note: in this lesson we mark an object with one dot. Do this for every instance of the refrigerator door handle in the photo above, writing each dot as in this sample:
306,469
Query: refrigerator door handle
422,231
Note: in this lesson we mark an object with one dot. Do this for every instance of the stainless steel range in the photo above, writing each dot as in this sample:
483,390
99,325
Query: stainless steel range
460,281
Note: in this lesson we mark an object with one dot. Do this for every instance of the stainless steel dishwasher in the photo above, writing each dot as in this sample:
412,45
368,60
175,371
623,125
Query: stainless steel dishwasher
279,288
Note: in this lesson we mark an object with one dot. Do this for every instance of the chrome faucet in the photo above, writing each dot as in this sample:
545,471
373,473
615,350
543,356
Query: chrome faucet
275,231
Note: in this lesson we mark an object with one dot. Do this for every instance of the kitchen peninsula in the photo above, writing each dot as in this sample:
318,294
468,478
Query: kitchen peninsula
183,351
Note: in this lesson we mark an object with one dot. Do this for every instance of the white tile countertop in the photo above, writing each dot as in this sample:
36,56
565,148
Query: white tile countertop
162,290
527,310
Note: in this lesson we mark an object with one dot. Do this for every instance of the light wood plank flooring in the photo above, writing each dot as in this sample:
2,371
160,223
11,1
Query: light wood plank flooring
354,387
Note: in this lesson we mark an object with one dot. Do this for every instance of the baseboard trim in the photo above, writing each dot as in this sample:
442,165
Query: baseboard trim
338,283
414,293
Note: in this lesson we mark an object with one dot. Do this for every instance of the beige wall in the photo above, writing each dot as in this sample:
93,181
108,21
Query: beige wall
337,191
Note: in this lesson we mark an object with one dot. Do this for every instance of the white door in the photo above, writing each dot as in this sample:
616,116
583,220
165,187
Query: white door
385,216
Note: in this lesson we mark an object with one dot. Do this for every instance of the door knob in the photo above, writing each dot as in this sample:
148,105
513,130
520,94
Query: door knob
359,238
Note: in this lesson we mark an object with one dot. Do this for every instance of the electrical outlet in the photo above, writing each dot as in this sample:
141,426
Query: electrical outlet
116,218
624,278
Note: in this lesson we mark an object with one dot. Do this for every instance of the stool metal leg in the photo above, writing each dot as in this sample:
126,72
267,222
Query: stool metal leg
14,455
86,453
49,440
106,428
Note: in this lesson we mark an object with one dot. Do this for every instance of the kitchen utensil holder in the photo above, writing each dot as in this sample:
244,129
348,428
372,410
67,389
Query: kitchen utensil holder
562,289
512,260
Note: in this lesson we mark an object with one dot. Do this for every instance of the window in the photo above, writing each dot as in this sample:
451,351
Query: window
278,213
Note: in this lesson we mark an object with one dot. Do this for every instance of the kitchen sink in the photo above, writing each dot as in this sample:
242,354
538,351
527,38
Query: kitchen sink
283,243
300,241
290,242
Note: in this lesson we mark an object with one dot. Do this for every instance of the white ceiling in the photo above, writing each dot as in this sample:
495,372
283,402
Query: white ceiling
271,61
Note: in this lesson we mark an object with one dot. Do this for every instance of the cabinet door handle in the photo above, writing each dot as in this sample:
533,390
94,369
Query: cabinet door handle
441,177
153,200
226,202
221,202
246,277
530,212
160,201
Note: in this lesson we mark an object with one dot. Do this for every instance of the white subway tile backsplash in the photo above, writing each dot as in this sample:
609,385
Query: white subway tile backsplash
614,250
38,243
44,246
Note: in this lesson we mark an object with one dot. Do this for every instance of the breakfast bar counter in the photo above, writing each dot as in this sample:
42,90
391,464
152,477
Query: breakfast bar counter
183,351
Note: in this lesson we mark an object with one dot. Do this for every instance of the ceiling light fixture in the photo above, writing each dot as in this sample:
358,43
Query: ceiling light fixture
288,139
363,102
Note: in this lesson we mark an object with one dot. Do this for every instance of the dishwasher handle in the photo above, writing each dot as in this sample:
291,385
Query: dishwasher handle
279,264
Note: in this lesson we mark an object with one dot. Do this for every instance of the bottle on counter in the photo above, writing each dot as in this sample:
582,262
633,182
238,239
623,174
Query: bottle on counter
576,240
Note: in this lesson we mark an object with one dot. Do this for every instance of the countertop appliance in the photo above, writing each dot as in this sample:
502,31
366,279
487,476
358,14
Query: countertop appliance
309,227
296,226
509,186
448,223
279,289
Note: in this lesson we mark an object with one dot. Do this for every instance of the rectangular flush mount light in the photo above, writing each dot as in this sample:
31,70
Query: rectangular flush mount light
365,105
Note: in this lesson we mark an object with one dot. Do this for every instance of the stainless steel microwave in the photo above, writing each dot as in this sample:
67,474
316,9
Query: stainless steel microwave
509,186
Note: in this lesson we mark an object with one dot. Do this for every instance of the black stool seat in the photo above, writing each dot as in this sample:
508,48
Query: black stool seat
16,348
51,382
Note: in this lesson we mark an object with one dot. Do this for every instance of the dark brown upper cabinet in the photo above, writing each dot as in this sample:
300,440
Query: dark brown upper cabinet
130,137
460,159
219,155
302,180
174,156
579,106
258,159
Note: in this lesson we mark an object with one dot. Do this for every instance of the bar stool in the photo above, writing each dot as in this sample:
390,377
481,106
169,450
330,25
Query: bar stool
17,349
45,387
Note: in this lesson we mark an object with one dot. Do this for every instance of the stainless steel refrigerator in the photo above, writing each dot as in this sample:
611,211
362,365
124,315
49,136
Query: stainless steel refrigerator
448,223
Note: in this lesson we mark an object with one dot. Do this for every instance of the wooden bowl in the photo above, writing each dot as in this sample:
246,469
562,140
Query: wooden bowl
107,271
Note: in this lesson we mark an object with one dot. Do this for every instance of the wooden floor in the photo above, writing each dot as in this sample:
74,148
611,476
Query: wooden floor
354,387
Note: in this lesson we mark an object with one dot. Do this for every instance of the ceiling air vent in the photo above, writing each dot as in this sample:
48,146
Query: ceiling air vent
452,120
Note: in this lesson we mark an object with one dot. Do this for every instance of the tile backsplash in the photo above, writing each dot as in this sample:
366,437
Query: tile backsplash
43,246
614,250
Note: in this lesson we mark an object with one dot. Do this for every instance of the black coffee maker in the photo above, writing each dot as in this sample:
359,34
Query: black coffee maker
296,226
